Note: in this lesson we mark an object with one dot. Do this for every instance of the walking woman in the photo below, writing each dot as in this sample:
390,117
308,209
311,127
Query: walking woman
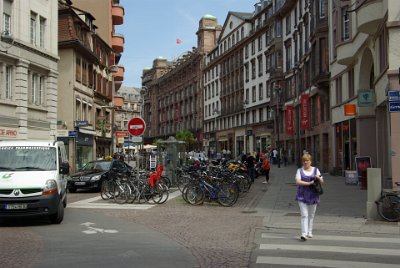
266,167
306,198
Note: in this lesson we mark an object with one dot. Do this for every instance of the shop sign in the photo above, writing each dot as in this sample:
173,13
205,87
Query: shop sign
394,106
121,134
366,97
83,123
350,109
62,133
305,111
393,95
8,132
289,120
72,134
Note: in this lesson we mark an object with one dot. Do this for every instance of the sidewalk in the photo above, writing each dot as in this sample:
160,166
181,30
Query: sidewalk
342,207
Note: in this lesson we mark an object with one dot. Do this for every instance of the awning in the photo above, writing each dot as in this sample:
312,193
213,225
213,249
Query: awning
87,131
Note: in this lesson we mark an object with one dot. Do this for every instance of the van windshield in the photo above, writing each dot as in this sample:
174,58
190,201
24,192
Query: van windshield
26,158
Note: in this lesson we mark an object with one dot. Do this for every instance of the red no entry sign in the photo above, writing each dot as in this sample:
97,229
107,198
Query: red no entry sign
136,126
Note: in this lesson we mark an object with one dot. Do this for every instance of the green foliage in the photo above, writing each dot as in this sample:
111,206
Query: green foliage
186,136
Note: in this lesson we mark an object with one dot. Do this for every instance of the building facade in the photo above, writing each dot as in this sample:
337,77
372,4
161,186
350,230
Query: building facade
173,90
28,64
364,69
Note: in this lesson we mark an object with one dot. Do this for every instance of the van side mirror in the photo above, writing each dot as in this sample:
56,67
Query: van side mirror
64,168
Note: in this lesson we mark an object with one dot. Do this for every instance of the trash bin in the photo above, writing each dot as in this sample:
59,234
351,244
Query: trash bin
351,177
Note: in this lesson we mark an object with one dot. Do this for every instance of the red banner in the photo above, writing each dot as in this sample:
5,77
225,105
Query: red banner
305,112
289,120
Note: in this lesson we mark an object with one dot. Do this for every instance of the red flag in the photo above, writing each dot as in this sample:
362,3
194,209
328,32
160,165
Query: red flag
289,120
305,112
178,41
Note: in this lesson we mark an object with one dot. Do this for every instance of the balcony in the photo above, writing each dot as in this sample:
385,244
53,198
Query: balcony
369,16
118,42
118,13
119,75
347,51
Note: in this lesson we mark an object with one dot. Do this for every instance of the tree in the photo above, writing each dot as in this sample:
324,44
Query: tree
186,136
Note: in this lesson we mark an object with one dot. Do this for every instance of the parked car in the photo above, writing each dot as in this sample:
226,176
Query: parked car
92,174
199,156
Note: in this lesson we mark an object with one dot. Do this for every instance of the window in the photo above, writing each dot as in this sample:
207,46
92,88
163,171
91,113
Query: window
33,29
253,47
260,65
288,25
351,83
345,24
8,82
41,90
7,16
253,69
42,33
33,90
259,43
260,91
78,70
253,94
338,90
322,9
383,60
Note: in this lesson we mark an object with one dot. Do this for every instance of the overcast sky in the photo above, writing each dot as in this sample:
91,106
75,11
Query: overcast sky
151,28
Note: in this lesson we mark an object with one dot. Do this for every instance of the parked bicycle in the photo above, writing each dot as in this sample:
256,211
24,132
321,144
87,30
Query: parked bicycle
388,205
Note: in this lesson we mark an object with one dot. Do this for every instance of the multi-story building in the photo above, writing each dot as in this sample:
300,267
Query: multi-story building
28,69
364,68
173,90
109,14
85,87
131,108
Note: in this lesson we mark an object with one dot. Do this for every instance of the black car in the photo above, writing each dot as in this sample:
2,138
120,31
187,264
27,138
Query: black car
92,174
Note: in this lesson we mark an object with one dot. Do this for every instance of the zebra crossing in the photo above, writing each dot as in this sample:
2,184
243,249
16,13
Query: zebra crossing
328,250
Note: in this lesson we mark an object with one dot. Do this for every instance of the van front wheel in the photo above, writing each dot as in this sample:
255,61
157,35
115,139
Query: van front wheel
58,217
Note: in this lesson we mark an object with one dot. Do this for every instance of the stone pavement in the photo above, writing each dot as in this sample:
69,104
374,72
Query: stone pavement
342,207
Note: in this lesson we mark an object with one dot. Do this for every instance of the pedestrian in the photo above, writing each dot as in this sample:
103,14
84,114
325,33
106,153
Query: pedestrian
251,171
285,158
275,156
306,198
267,167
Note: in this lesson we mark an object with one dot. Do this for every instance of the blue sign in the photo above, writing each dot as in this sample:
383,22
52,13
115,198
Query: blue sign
72,134
393,95
394,106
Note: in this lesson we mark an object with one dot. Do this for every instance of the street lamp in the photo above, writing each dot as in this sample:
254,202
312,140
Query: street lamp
278,93
215,113
113,69
245,103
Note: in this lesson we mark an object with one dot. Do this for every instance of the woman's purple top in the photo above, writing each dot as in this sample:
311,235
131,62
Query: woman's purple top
304,193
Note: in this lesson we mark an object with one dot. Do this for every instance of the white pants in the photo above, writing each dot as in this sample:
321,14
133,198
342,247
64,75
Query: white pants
307,217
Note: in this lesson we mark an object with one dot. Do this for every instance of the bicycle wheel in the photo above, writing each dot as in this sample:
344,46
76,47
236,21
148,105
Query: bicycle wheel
389,207
182,181
106,189
227,195
165,193
195,195
121,193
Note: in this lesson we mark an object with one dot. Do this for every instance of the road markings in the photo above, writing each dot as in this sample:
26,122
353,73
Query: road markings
341,238
376,249
341,249
98,203
93,230
321,263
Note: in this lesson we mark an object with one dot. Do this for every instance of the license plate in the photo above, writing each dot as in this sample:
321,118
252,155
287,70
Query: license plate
80,183
16,206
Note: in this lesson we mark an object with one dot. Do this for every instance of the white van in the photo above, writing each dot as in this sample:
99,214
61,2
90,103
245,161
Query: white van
33,179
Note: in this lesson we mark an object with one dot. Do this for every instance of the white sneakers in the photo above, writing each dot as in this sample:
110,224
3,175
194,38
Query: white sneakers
265,182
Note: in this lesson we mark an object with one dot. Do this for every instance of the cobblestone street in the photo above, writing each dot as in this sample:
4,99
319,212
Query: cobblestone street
217,236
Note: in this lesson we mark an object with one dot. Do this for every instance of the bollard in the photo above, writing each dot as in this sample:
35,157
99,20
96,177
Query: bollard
373,192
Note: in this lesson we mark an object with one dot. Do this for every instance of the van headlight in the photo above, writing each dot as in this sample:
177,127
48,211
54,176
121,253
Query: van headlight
50,187
96,178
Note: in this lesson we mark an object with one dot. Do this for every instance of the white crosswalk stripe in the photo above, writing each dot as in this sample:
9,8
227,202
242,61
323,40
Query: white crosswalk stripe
341,251
98,203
